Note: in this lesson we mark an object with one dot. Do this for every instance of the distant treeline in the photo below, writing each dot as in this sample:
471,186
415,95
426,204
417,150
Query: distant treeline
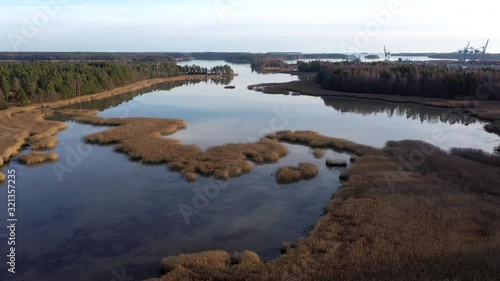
158,57
22,82
406,79
256,57
87,56
268,63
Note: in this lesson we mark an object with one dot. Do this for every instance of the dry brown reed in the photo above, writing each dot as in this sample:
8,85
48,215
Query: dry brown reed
318,153
315,140
45,143
24,127
75,112
290,174
142,139
438,220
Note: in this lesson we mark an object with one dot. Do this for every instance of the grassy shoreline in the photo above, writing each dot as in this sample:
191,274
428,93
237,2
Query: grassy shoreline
485,110
434,219
142,139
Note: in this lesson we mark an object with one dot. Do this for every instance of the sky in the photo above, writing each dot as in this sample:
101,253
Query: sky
313,26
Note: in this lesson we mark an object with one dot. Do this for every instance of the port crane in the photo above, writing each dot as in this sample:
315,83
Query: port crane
484,48
387,54
471,54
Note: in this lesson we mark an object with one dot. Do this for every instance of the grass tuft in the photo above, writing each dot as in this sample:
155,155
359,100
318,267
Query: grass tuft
44,143
37,158
289,174
191,177
318,153
211,259
245,258
308,170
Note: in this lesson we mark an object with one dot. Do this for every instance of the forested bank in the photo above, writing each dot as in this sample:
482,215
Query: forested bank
87,56
157,57
258,57
406,79
25,82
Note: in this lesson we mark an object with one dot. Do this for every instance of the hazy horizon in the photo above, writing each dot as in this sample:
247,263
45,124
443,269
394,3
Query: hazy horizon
245,26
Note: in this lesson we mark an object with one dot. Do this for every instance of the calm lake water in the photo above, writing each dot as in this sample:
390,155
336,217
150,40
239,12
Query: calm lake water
95,215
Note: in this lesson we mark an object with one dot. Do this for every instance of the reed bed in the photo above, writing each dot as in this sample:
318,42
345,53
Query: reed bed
390,221
37,158
18,128
315,140
181,267
75,112
142,139
290,174
45,143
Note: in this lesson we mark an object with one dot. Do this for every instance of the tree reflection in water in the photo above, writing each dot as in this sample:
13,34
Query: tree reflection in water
410,111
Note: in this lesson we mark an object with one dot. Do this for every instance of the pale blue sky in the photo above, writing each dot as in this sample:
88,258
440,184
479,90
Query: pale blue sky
247,25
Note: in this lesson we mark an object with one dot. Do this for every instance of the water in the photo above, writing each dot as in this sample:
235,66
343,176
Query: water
95,213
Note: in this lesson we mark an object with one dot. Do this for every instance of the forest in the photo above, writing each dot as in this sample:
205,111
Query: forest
25,82
268,63
406,79
157,57
87,56
254,57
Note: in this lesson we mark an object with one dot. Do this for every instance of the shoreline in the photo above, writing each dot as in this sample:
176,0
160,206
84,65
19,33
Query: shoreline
485,110
106,94
26,125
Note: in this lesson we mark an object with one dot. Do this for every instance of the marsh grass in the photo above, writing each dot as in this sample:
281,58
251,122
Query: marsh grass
191,177
477,155
435,221
37,158
290,174
185,266
315,140
75,112
142,139
44,143
308,170
318,153
20,127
